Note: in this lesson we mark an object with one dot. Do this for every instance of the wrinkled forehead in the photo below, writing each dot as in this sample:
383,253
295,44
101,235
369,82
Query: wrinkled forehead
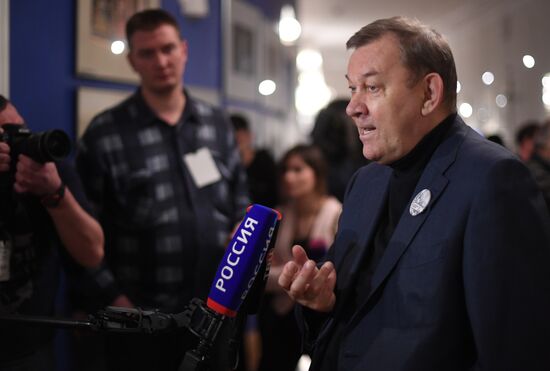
378,56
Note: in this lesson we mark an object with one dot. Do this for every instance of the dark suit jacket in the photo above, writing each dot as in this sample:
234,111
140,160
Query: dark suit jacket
464,285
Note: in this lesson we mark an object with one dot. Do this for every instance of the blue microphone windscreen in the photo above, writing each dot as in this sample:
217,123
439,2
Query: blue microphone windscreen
242,260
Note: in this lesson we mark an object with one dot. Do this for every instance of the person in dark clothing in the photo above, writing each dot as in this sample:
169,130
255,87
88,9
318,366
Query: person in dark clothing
261,170
525,140
164,173
310,219
440,261
42,215
539,163
334,133
495,138
261,175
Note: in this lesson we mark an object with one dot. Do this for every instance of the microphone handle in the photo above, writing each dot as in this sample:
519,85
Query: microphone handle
253,300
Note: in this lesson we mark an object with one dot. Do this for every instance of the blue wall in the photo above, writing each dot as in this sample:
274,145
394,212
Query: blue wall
42,43
43,82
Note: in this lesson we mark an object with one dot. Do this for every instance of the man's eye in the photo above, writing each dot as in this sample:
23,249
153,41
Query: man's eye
372,88
146,53
352,89
168,49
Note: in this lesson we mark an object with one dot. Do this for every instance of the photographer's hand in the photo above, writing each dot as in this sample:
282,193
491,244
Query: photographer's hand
81,234
36,178
4,155
122,301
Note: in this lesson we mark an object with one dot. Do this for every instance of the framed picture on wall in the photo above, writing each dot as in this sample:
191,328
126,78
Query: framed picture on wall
273,62
244,51
91,101
100,23
242,46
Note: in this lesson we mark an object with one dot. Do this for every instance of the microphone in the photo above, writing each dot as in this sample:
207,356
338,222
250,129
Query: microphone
245,257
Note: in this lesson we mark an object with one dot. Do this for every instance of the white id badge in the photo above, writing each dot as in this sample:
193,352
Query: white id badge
5,255
202,167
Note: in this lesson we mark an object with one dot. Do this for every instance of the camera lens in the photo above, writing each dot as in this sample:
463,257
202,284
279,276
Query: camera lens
56,145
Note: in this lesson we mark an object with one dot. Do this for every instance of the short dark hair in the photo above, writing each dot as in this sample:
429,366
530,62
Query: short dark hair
527,131
149,20
542,136
495,138
239,122
423,50
313,157
3,102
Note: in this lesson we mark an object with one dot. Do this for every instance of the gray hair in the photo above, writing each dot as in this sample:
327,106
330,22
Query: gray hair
423,50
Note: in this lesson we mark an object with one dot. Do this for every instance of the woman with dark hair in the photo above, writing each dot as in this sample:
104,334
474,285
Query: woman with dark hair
310,218
336,136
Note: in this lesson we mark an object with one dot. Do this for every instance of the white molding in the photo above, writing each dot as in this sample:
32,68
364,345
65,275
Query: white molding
208,95
5,47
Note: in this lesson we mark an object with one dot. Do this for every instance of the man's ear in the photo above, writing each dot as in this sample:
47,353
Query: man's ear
184,50
130,59
433,93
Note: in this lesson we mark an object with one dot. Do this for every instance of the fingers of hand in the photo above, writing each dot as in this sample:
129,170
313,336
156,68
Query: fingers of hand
4,148
290,270
324,280
4,157
26,164
299,254
331,280
302,281
315,288
34,177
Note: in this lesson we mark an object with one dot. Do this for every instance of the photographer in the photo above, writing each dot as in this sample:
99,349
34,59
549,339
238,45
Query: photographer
39,213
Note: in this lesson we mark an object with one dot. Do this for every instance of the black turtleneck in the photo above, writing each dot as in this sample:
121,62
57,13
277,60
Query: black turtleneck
405,176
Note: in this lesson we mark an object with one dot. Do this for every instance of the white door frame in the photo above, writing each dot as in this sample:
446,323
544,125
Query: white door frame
5,47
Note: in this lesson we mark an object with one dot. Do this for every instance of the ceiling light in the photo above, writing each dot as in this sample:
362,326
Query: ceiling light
267,87
528,61
117,47
309,59
546,91
465,110
312,93
458,87
488,78
289,27
501,100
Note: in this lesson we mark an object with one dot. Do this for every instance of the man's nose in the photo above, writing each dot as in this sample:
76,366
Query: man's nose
356,106
161,59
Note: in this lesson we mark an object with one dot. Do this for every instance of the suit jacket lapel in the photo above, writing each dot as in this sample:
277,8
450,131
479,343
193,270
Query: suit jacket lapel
368,203
434,180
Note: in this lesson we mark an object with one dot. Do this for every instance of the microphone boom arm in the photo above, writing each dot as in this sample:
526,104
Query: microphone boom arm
203,320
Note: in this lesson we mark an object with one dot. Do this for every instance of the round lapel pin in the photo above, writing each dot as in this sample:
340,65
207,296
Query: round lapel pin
420,201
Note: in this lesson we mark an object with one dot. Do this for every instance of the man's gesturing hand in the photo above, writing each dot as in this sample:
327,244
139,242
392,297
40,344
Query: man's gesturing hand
308,285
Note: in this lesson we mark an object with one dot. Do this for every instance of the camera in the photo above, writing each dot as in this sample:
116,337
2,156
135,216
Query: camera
51,145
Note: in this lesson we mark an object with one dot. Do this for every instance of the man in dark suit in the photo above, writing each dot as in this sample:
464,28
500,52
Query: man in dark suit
441,257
